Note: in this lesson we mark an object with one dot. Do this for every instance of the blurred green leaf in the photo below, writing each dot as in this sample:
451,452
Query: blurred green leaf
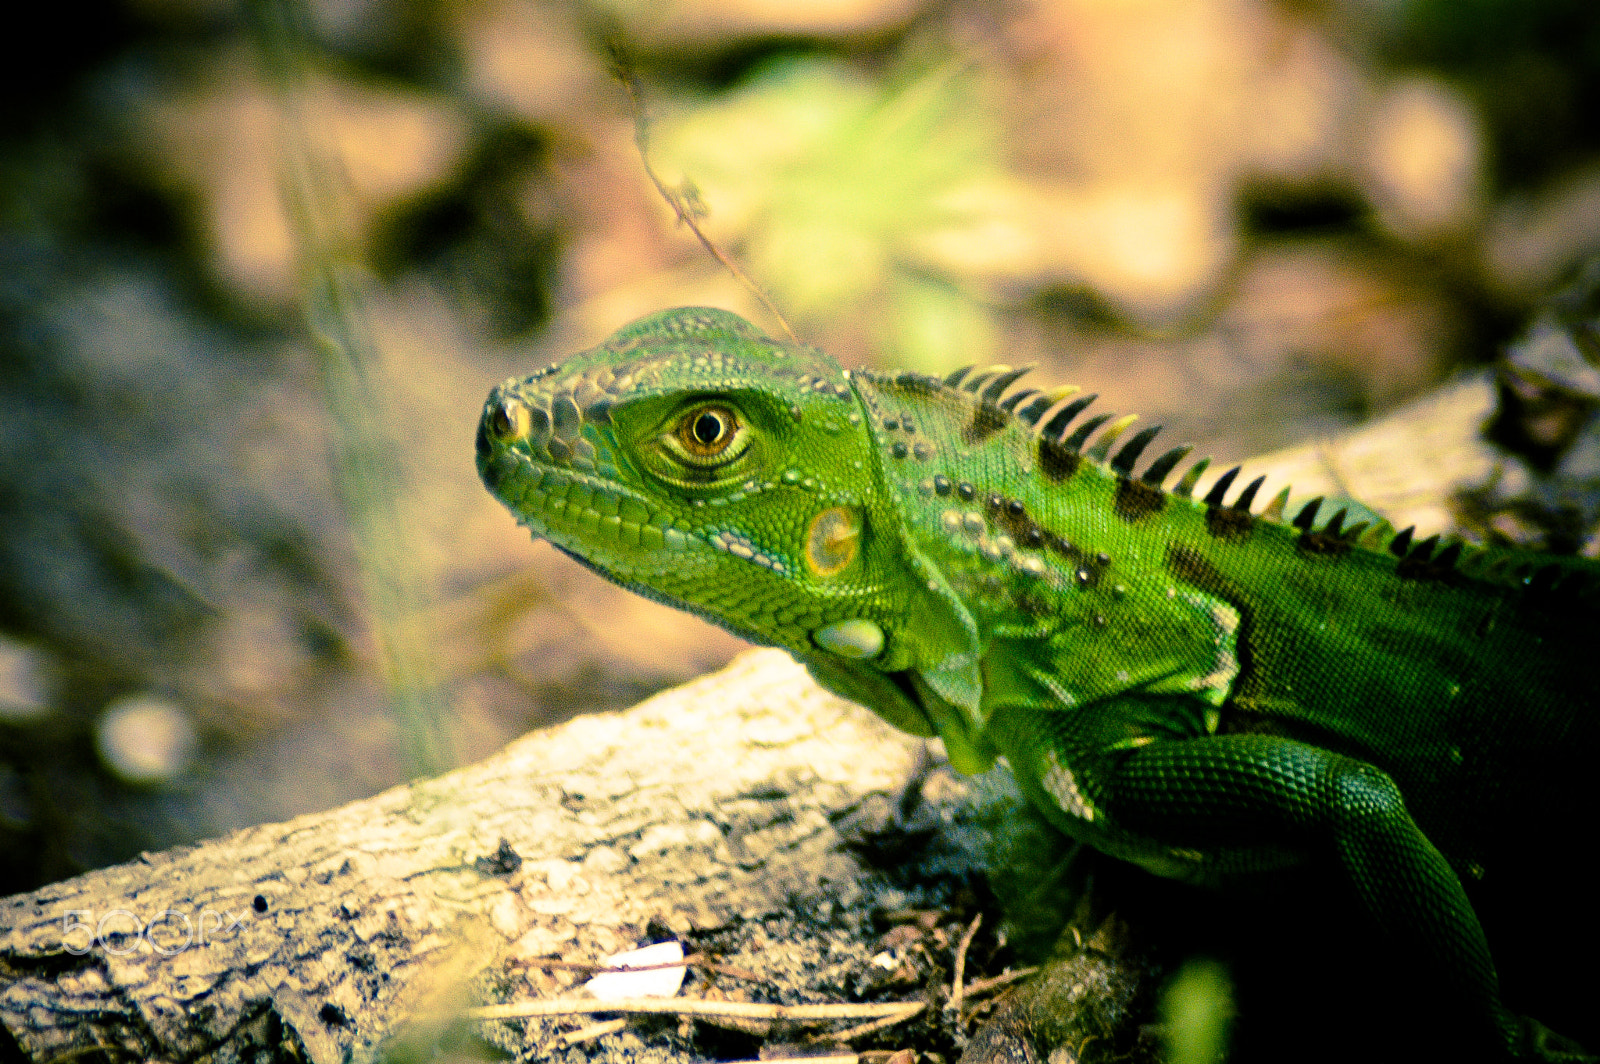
1197,1008
825,178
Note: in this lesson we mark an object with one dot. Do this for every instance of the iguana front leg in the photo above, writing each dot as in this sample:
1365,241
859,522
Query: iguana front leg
1213,806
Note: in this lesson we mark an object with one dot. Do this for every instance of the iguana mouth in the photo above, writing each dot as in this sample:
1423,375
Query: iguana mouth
533,454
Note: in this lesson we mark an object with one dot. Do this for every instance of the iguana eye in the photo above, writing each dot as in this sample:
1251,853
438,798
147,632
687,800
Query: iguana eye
708,431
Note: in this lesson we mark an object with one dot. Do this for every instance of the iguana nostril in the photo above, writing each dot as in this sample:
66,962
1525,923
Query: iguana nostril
507,420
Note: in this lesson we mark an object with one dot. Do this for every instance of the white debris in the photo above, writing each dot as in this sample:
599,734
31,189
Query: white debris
655,982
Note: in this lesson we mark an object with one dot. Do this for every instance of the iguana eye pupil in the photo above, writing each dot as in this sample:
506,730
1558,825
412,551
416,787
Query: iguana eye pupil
708,431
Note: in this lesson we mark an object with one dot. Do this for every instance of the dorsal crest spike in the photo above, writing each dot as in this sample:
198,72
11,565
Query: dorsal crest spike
957,376
1219,490
1191,477
1248,495
1335,525
1108,438
997,387
1062,418
1030,414
1354,532
1308,515
1157,471
1036,410
1130,451
1274,509
1448,557
1401,543
1011,401
976,382
1076,441
1424,550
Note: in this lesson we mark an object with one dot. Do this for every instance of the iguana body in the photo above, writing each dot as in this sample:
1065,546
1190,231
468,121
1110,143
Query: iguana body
1180,682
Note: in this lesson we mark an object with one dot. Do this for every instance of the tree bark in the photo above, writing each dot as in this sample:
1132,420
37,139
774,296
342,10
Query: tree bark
715,799
737,795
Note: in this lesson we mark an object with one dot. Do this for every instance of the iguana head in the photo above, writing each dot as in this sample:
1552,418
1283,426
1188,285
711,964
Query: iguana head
699,462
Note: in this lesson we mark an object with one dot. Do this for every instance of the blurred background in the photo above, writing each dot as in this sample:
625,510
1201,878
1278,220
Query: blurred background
260,263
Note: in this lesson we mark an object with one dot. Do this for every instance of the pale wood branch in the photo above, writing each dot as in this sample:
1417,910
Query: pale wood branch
712,800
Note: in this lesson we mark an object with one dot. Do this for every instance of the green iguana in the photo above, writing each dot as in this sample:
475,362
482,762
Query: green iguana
1188,684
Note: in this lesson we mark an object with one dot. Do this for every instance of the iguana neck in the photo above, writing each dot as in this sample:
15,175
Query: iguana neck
1013,522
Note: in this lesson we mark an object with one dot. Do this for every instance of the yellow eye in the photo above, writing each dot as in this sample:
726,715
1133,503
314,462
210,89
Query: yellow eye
708,431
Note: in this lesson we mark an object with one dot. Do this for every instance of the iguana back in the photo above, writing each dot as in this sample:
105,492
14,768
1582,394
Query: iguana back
1463,673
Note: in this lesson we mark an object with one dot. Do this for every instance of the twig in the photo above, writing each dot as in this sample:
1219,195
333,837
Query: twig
911,1009
831,1058
596,967
983,987
685,201
593,1031
693,960
694,1007
956,989
995,982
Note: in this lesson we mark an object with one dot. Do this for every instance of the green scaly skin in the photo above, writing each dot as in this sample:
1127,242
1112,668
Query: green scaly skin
1184,683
